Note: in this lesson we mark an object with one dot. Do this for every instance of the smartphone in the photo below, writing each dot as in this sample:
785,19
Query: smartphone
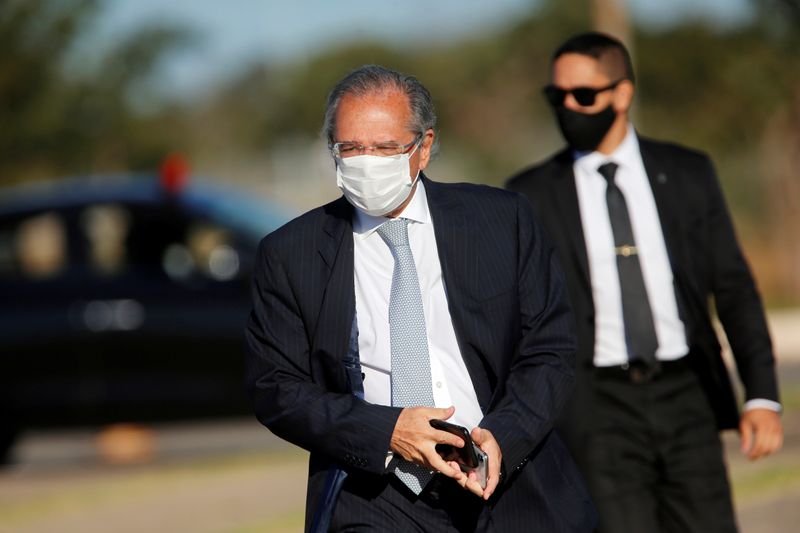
470,457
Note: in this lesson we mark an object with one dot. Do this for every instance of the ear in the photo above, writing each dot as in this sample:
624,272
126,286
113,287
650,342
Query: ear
425,149
623,96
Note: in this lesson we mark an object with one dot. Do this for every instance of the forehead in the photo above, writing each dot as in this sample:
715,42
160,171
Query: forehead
576,70
374,116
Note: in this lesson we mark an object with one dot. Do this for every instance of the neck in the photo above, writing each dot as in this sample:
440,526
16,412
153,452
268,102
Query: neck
615,136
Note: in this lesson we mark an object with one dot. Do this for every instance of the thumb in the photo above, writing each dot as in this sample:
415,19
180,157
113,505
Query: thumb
746,431
478,435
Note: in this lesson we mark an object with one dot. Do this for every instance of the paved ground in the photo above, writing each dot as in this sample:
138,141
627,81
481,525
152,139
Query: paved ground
235,477
217,477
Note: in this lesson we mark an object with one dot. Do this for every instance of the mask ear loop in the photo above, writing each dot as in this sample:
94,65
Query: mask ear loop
416,178
412,152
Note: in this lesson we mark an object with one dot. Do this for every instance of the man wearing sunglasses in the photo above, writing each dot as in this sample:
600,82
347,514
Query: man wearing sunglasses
407,300
645,238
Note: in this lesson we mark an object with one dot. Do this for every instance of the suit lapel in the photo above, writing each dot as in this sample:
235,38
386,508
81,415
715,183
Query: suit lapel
458,256
450,225
337,308
566,199
667,193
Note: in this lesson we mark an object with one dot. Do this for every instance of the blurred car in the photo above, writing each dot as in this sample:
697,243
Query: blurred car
124,299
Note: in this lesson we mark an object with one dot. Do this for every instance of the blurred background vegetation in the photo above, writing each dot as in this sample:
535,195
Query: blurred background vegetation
731,91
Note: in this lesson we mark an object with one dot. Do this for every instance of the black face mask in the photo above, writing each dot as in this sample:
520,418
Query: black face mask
583,131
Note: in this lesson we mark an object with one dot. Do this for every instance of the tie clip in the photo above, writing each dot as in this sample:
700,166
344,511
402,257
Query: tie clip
626,250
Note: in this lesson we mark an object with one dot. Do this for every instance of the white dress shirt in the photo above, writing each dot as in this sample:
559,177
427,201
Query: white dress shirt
631,178
374,265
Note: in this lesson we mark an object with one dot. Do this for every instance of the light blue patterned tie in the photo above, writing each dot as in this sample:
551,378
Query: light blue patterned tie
411,368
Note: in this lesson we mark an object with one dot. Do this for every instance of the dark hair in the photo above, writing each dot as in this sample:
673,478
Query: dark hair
374,78
607,50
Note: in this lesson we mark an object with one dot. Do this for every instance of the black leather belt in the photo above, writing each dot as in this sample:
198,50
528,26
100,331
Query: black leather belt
637,372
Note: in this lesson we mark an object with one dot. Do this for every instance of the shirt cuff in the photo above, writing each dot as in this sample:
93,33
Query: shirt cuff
389,456
760,403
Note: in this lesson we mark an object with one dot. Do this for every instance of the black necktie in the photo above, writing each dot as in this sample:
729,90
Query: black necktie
640,331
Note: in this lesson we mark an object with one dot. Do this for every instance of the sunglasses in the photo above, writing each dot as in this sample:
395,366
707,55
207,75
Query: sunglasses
585,96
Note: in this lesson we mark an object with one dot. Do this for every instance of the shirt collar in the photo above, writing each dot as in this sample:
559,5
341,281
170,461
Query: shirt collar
416,211
625,154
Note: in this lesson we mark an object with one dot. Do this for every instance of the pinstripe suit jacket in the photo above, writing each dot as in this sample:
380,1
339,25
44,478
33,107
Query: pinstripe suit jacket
508,302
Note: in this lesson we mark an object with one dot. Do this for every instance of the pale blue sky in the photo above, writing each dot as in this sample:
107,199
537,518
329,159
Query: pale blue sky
237,32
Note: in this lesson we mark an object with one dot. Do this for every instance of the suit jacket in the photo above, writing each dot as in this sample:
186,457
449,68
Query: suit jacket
508,303
706,262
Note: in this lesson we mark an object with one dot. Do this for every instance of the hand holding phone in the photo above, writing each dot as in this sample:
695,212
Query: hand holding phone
470,458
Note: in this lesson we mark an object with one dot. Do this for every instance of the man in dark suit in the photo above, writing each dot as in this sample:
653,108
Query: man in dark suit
404,301
645,239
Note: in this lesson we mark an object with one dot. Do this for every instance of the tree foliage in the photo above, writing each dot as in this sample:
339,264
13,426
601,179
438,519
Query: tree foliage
734,93
54,123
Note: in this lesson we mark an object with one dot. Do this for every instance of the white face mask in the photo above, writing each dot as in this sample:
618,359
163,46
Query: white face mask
376,185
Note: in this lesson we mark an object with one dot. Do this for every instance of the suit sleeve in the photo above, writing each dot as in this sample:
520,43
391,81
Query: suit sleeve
279,380
737,300
541,376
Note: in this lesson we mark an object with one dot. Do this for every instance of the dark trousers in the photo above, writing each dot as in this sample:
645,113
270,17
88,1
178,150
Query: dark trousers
388,505
653,460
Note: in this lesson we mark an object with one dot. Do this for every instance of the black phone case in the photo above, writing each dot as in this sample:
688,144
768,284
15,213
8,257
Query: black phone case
465,455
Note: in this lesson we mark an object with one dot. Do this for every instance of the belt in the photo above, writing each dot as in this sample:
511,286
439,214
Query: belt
637,372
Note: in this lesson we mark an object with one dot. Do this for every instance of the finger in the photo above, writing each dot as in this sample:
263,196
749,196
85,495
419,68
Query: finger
443,413
757,449
780,440
773,439
488,444
746,431
455,466
443,437
462,478
770,445
479,436
492,480
473,486
766,439
435,462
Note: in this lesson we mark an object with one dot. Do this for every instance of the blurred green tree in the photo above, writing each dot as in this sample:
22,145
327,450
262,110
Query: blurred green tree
733,92
55,123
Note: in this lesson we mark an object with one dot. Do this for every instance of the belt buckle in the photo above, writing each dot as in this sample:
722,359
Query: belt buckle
640,373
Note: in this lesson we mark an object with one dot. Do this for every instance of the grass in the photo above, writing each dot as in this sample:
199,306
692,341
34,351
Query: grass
288,522
126,484
766,481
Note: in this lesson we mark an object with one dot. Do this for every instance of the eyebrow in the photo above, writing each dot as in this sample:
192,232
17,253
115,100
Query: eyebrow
373,144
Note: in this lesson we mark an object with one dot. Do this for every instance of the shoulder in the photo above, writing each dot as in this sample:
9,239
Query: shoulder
537,174
305,229
488,207
484,203
671,151
472,193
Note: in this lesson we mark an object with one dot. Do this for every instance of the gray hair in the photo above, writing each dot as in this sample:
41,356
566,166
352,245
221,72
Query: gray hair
374,78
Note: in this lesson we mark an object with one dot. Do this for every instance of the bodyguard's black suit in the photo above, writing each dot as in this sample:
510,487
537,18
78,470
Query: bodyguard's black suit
706,262
509,308
705,258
